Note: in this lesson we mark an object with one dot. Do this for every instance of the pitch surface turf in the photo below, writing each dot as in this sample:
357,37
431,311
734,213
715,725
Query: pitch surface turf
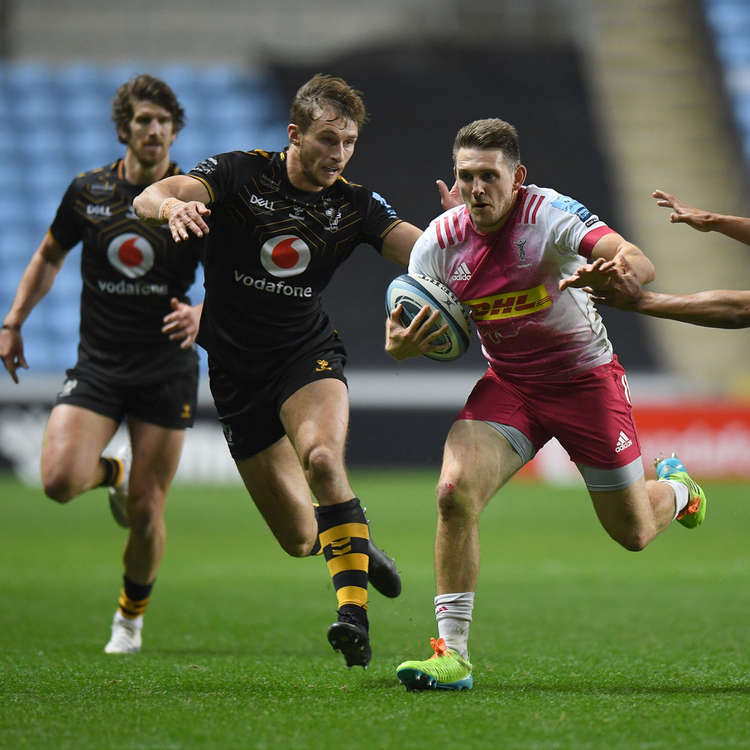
576,643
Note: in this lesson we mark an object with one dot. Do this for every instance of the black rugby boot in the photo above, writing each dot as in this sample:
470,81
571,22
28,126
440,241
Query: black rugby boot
383,573
350,635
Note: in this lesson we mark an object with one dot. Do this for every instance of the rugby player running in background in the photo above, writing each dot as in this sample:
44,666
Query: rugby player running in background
136,357
278,225
551,373
618,286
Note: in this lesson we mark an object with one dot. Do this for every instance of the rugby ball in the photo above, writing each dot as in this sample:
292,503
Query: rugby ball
415,291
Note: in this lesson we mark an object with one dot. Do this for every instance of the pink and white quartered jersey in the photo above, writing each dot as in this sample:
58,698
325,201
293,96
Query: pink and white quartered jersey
509,280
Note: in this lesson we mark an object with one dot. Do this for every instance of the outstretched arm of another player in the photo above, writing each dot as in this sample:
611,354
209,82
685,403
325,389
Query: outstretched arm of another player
617,286
183,322
402,342
397,244
612,253
736,227
179,201
718,308
36,281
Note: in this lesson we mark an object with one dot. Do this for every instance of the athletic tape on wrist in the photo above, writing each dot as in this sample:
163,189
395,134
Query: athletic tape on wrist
163,208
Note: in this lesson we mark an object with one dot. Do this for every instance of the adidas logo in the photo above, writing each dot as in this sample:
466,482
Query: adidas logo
462,273
623,442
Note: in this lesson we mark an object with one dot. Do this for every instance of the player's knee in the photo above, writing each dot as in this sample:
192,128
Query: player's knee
452,501
145,517
633,540
58,487
296,546
321,463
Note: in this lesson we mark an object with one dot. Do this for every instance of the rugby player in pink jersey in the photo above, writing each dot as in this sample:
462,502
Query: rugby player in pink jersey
551,373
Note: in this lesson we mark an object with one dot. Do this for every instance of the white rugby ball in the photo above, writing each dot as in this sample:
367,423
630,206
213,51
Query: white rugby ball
413,292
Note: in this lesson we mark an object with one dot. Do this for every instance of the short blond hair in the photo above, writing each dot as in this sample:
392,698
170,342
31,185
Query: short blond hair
323,91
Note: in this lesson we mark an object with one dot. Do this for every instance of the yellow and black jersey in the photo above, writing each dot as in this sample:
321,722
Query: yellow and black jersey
270,252
130,271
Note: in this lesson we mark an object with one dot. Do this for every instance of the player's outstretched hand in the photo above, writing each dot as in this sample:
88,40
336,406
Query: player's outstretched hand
448,198
415,339
590,277
623,289
186,218
608,283
681,212
182,323
11,351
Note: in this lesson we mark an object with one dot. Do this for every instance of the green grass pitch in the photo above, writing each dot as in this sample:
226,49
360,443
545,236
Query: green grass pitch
576,642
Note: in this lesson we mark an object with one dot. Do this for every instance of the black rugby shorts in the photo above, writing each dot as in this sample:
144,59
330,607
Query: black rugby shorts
249,410
170,403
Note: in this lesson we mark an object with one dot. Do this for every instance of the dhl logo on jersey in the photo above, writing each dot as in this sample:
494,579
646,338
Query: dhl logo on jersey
510,305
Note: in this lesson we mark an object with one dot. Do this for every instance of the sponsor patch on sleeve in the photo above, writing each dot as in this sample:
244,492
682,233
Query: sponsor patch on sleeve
207,166
564,203
389,209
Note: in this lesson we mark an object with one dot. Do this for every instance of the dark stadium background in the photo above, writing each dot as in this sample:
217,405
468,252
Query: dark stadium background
610,102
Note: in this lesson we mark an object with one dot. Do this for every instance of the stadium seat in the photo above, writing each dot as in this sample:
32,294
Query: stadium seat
734,49
727,18
55,122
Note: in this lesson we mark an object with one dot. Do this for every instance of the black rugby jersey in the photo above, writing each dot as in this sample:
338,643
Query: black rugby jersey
130,271
271,251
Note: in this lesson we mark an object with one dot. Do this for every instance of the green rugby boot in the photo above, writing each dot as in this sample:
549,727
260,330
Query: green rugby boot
444,670
694,512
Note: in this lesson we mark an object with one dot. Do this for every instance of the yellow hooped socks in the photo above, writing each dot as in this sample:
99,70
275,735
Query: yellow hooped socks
344,537
113,470
134,598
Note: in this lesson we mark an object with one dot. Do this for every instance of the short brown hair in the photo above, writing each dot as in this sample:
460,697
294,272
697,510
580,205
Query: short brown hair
492,133
144,88
323,91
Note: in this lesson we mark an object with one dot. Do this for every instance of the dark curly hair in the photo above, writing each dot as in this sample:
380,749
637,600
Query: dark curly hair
323,91
144,88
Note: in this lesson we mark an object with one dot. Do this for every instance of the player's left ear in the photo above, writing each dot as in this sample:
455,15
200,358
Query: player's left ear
519,176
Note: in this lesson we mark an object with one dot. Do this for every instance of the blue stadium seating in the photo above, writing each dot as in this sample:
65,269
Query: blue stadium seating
55,121
729,23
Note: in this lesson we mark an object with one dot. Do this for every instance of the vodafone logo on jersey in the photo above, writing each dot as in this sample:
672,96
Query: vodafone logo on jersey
285,255
131,254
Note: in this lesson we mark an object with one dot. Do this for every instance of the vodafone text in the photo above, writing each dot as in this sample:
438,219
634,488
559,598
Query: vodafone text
272,287
131,289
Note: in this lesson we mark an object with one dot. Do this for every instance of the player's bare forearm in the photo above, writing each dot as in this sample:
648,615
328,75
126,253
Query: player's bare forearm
147,204
398,243
36,281
631,259
151,205
625,256
179,201
736,227
716,308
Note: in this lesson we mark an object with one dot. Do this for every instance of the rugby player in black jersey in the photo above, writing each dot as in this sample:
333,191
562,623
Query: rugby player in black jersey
277,226
136,358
